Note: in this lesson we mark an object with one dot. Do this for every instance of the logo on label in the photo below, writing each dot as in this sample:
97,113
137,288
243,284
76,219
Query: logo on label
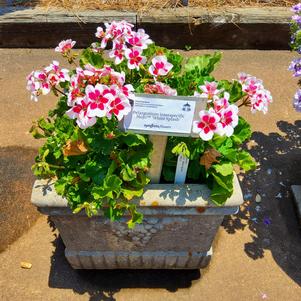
186,107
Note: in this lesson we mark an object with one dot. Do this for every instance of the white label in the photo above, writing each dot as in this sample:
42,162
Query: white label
165,115
181,171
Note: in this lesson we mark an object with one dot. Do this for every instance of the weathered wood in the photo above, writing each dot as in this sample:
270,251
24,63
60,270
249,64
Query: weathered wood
237,28
157,158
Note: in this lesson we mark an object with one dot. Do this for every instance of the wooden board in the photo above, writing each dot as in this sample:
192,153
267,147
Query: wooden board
201,29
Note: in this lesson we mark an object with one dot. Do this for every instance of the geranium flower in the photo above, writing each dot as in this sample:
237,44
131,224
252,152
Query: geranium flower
297,101
134,58
80,113
56,74
160,88
295,66
117,52
139,39
261,100
65,46
228,120
208,124
160,66
209,90
297,19
99,96
38,84
128,90
119,107
220,104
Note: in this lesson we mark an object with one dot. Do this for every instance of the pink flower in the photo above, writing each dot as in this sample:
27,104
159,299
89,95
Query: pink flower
160,66
80,113
260,98
208,124
99,97
139,39
56,74
99,32
119,107
65,46
210,90
117,52
128,90
160,88
220,104
228,120
134,58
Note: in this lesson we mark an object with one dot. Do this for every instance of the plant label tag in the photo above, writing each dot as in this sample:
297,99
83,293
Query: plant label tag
181,171
162,115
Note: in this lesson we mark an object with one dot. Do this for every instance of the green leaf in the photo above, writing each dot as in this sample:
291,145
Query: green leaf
130,193
246,161
225,169
131,139
127,173
242,132
234,88
181,149
204,63
90,57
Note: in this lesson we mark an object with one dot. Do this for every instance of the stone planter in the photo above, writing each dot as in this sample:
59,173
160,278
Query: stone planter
179,226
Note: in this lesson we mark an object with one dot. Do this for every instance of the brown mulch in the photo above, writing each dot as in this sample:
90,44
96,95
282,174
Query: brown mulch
17,214
143,5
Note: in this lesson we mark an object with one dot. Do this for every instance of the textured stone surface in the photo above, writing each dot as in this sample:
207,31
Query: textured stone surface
170,237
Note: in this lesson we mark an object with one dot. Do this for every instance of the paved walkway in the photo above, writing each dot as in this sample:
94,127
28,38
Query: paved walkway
252,259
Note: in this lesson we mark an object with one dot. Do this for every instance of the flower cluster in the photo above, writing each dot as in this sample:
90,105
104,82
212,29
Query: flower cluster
98,93
41,82
295,65
220,118
160,88
65,46
126,43
258,98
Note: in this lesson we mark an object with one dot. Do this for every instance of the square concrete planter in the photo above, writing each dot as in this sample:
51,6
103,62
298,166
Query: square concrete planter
179,226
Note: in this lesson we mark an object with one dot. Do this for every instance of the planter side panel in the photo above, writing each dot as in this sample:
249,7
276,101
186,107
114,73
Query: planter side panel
160,242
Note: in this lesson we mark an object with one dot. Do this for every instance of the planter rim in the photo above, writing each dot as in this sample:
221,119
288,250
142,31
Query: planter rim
155,195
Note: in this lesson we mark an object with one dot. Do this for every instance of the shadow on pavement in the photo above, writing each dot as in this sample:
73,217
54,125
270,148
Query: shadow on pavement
101,285
16,180
273,220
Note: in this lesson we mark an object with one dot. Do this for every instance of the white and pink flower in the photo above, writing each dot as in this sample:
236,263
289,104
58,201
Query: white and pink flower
228,120
99,97
160,66
208,125
117,52
135,58
139,39
209,91
259,97
65,46
80,112
160,88
119,107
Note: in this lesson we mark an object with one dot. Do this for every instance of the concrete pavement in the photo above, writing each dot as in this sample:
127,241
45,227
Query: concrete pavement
257,253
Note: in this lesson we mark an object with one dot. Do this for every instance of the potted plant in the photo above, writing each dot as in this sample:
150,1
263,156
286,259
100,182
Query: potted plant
111,191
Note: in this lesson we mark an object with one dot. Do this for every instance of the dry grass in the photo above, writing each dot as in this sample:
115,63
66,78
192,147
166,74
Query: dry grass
143,5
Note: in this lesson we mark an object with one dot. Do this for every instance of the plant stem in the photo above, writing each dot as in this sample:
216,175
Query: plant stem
56,89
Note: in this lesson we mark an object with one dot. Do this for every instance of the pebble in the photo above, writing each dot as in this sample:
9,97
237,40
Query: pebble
248,196
25,265
258,198
148,227
266,242
279,196
153,230
269,171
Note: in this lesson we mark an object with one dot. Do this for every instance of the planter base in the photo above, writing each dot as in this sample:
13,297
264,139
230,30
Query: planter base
137,260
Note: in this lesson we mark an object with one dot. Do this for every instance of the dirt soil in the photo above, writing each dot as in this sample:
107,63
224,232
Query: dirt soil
144,5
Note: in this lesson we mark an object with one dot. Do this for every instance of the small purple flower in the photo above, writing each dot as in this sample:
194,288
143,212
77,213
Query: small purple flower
296,8
297,19
297,101
295,66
